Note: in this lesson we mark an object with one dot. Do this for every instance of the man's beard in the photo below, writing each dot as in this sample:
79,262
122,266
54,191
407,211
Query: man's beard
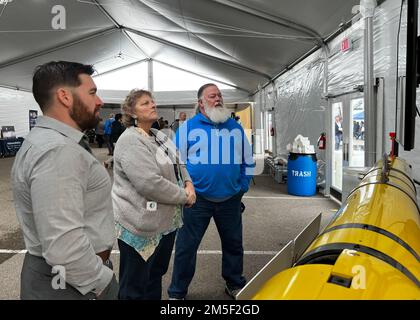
217,114
80,114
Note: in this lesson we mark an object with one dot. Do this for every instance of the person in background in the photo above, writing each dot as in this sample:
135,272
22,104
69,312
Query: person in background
117,128
178,122
150,187
90,133
107,134
235,117
161,123
99,130
166,130
338,132
62,193
362,130
158,124
219,185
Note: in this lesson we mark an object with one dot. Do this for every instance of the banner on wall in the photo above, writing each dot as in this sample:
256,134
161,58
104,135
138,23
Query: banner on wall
33,115
9,147
9,143
8,132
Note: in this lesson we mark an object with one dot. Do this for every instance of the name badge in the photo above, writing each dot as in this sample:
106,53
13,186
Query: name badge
151,205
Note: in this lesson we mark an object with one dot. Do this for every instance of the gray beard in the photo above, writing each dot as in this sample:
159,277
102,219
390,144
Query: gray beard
217,114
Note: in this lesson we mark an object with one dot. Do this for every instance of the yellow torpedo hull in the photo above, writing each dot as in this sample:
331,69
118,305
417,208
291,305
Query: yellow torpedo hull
370,250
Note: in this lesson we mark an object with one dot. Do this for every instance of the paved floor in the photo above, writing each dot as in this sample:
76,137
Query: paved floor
271,219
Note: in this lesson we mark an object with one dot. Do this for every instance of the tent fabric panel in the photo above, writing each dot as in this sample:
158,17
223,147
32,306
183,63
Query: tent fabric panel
26,26
103,52
204,66
320,15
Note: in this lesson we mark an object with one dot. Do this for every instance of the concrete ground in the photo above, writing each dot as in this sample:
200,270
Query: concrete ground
271,219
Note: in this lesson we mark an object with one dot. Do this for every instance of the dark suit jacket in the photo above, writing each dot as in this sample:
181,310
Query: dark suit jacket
117,129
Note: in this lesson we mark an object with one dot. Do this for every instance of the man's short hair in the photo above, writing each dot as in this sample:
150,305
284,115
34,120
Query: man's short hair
204,87
53,74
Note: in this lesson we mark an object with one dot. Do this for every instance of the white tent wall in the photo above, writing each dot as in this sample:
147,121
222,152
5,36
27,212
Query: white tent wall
189,110
300,106
173,112
14,110
346,72
345,69
167,113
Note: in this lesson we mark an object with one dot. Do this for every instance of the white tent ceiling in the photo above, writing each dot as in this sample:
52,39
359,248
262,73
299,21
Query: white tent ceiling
242,43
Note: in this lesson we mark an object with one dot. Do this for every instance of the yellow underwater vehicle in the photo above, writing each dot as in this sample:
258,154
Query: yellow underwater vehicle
370,249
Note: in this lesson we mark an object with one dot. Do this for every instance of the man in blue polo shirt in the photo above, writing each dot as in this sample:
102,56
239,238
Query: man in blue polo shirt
219,160
107,134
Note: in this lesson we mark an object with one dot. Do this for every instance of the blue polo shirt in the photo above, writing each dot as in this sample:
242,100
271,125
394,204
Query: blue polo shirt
107,126
218,157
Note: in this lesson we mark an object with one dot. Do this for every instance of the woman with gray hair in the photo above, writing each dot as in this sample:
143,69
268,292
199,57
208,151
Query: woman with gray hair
150,187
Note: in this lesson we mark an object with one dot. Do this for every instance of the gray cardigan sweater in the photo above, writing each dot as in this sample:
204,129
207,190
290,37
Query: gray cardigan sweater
144,173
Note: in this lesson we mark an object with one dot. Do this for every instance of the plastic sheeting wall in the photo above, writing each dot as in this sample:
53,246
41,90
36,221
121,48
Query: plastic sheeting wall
14,110
171,114
299,102
299,106
345,70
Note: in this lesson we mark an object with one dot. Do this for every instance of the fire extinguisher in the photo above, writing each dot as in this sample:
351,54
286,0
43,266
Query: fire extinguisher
272,131
322,141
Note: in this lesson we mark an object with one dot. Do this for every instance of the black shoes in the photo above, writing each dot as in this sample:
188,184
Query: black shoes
232,292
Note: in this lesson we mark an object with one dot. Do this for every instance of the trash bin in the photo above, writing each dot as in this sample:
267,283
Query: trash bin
301,174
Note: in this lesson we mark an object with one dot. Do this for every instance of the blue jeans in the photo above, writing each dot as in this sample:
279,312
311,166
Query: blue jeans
109,144
228,219
140,279
337,141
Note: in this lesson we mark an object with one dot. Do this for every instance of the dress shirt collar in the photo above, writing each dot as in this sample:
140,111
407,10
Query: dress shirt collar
61,127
